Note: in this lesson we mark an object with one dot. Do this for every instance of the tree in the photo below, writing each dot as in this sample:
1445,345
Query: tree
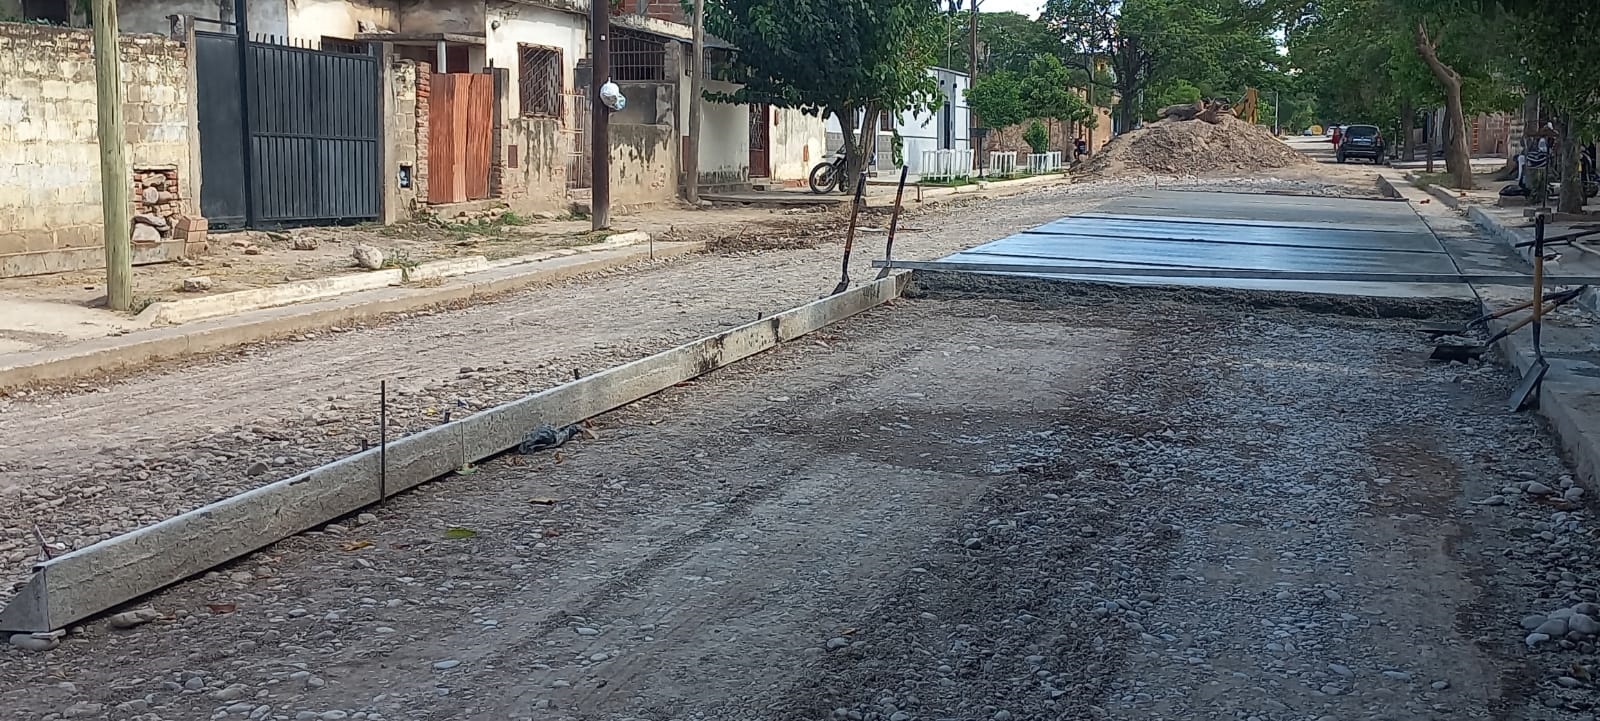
1037,137
1557,61
997,98
1007,41
852,59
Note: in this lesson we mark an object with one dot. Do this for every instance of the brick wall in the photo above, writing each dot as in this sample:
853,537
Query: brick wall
49,155
424,91
668,10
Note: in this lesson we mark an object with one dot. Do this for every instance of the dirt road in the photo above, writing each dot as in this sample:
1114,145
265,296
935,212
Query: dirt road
111,457
945,509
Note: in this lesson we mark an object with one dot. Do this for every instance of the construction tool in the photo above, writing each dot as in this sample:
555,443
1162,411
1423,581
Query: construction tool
894,222
1526,393
1465,353
850,236
1471,325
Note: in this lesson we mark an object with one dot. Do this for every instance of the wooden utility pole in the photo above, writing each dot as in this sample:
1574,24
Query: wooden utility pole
599,115
114,178
697,82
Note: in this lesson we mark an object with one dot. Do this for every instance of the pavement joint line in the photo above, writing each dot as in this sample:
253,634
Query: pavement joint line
1227,273
90,580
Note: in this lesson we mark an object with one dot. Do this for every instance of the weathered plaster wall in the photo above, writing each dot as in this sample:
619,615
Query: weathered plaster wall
267,17
49,154
799,141
521,23
539,180
644,166
314,19
442,16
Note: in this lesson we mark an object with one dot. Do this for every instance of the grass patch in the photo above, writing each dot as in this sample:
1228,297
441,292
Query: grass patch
947,182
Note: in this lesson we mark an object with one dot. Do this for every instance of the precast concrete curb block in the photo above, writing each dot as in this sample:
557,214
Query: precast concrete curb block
91,580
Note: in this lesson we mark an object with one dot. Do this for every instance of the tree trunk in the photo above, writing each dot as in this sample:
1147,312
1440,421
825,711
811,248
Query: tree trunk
1457,158
1571,180
852,147
1408,127
1515,143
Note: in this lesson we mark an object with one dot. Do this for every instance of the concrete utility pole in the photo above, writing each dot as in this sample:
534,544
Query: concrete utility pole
114,178
599,116
697,69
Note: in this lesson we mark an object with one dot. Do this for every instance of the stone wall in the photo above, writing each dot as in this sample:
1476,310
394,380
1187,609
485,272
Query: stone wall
50,215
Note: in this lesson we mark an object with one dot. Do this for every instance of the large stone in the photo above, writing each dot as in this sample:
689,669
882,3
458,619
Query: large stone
197,284
368,257
145,234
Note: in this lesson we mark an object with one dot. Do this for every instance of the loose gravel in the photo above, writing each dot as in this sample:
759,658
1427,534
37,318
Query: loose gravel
1097,506
100,459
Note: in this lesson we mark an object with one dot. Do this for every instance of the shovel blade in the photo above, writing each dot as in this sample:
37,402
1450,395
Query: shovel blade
1526,394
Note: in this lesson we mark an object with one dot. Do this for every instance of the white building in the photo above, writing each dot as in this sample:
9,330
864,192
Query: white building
947,128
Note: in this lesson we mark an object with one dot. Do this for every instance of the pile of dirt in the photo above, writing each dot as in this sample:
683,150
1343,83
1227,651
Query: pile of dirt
1193,147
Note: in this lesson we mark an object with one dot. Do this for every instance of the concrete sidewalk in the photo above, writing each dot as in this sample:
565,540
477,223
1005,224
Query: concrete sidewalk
1483,240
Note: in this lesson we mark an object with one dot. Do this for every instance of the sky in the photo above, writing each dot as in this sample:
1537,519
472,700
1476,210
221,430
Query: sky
1026,7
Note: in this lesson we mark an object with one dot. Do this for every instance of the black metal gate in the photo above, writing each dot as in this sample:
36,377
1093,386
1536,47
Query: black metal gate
293,141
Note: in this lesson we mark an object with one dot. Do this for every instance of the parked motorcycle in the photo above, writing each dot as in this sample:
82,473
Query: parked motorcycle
829,174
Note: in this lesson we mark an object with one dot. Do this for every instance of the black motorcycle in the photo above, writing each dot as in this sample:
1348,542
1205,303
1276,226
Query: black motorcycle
829,174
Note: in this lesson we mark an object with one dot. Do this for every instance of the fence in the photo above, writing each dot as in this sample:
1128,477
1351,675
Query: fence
1044,162
580,174
1003,163
945,164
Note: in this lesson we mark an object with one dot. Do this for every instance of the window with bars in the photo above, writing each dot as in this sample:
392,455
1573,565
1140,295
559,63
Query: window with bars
637,56
539,80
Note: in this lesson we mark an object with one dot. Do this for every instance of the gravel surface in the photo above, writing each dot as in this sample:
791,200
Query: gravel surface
107,458
1101,507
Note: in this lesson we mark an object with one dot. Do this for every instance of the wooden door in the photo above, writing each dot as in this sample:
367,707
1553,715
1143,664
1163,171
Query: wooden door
460,132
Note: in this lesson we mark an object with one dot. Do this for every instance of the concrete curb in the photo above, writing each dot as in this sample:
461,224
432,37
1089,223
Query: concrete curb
1561,402
90,580
113,354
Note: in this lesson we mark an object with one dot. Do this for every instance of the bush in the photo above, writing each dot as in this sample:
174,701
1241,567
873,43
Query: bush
1037,137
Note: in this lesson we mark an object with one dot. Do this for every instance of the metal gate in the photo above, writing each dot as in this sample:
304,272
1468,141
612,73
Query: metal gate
293,141
760,147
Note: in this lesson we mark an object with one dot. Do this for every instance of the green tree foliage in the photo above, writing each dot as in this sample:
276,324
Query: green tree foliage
1007,41
852,59
1045,89
1158,48
1557,58
1037,137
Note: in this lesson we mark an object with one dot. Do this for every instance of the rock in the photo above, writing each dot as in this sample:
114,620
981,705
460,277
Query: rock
257,468
1439,685
1572,494
195,683
231,693
1583,624
1397,675
1341,669
30,642
144,234
368,257
597,658
82,709
302,242
1534,639
366,518
584,631
1002,715
152,221
136,617
252,250
1569,682
1554,628
1332,595
1592,610
1535,488
838,642
1495,500
240,708
334,716
197,284
446,664
1533,621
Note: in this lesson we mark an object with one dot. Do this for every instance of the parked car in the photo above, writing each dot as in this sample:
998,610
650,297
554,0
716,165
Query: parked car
1361,141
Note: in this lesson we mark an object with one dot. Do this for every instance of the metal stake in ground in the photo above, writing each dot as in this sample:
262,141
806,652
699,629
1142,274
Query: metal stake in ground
894,222
1526,394
850,235
383,440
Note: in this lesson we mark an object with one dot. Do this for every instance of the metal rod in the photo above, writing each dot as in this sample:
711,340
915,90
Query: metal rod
43,547
1229,273
241,16
383,440
1538,284
894,222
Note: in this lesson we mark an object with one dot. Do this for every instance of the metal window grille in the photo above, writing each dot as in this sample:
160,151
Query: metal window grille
539,80
637,56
